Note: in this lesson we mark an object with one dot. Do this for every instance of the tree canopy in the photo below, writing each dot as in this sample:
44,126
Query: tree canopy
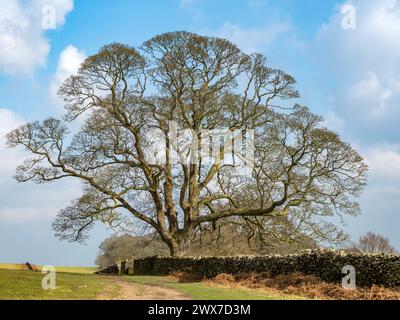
136,103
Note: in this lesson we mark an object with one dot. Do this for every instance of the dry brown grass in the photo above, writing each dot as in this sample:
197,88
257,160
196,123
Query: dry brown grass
185,277
306,286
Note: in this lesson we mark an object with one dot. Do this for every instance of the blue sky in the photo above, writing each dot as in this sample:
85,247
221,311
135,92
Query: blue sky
351,77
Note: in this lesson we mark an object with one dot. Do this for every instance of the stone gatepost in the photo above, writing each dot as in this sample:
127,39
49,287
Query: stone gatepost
121,267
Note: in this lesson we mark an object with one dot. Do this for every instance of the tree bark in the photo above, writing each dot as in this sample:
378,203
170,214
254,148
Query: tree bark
179,247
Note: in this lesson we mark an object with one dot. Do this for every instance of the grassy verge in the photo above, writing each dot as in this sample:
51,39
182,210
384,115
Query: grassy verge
206,291
27,285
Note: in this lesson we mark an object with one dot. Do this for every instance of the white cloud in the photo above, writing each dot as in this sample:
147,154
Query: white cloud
380,202
333,121
375,98
23,203
23,42
252,40
68,64
362,68
8,121
384,163
376,39
40,204
62,7
366,60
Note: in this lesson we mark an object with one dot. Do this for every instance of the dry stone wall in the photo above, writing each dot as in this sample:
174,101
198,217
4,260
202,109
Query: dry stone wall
379,269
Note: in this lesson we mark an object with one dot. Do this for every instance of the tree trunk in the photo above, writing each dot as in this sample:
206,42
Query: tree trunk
180,247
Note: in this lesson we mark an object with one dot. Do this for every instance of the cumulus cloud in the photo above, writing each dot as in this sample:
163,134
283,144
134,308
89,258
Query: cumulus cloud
23,42
365,63
374,42
384,163
68,64
375,98
252,40
380,202
362,67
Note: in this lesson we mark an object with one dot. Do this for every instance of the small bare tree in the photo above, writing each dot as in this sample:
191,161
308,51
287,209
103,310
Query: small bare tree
125,247
373,243
299,170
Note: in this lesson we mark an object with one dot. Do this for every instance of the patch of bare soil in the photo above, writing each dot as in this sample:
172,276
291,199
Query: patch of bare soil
119,289
306,286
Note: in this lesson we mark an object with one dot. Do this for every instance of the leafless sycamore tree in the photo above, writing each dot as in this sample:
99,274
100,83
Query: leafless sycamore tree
373,243
301,173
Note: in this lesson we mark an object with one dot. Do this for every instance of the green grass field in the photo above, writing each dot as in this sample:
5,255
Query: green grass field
79,283
202,291
27,285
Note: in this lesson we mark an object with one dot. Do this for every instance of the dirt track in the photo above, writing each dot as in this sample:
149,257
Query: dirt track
134,291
